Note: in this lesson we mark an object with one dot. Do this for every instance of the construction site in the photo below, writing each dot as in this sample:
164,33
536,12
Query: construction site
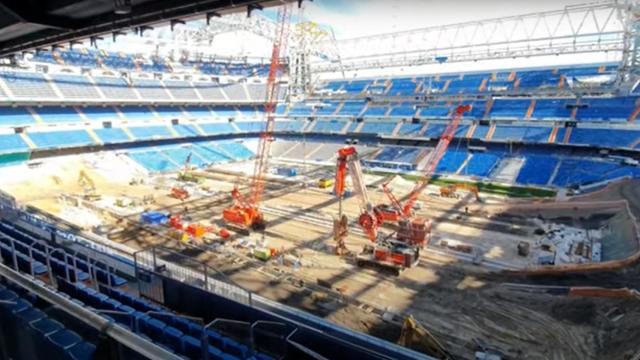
485,271
362,199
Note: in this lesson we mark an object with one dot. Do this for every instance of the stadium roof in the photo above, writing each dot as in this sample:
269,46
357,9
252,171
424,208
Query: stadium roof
31,24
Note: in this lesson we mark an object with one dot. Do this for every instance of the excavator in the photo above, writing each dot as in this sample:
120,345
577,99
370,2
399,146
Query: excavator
413,232
89,186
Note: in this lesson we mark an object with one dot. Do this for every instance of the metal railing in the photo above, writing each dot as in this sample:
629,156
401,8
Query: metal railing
162,261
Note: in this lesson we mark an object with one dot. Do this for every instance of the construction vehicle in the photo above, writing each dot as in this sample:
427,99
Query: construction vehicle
415,230
383,253
186,174
325,183
450,191
185,232
89,187
179,193
415,336
244,213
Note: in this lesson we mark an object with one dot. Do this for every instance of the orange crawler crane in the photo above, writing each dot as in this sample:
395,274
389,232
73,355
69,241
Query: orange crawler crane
383,254
245,212
412,229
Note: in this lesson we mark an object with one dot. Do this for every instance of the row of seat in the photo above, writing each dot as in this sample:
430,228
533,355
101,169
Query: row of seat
506,80
162,326
30,333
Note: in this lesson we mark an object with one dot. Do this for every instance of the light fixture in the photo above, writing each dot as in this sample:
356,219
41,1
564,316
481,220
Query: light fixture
122,7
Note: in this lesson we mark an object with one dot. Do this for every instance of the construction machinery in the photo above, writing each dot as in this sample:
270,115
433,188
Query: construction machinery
450,191
187,231
416,230
89,186
186,174
384,253
245,211
325,183
179,193
413,232
414,336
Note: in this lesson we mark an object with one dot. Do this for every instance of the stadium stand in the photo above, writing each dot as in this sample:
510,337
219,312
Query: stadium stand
29,85
181,90
112,135
57,114
96,113
12,142
114,88
15,116
75,86
151,89
150,132
59,139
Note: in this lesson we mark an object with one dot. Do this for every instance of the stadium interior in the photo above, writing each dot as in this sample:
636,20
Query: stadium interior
164,198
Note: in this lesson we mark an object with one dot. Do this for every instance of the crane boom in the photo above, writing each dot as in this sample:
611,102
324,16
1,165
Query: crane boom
432,162
245,211
266,137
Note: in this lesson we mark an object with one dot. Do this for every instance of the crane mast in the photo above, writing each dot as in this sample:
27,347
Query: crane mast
266,137
245,211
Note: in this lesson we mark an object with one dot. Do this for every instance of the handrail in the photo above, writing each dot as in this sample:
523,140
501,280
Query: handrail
115,331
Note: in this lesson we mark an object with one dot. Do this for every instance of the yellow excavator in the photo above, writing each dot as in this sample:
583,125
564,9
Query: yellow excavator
89,186
415,336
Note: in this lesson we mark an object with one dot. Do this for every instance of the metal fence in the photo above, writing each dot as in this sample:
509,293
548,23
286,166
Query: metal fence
158,260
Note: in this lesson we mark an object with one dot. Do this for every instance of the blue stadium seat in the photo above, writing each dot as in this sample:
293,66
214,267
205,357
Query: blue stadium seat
46,327
63,341
60,139
81,351
112,135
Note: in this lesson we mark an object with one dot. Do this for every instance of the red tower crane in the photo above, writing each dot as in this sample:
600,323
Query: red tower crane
245,211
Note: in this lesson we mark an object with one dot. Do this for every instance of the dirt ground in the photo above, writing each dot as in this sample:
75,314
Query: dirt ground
466,306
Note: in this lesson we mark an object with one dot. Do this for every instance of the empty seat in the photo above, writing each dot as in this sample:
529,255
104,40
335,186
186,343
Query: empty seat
154,328
29,315
46,326
173,338
82,351
63,340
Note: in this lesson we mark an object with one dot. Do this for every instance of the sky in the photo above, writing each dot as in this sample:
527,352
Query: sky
347,19
353,18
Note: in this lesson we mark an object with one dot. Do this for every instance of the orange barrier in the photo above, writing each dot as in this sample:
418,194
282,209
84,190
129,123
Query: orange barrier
604,292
